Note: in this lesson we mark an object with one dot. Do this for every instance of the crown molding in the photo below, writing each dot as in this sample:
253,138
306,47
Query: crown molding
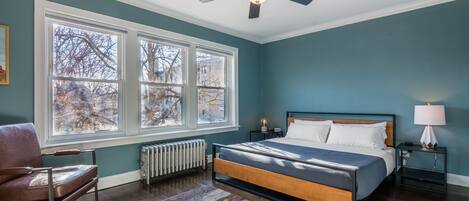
406,7
187,18
401,8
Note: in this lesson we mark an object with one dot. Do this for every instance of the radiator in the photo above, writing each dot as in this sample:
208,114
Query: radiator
162,160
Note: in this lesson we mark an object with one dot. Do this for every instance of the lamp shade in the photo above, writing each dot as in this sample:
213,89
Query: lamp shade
433,115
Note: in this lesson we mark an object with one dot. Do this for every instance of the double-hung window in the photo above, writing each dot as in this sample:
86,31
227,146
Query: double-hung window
162,78
84,63
103,81
211,86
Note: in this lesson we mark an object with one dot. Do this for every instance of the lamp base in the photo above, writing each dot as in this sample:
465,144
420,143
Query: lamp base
428,139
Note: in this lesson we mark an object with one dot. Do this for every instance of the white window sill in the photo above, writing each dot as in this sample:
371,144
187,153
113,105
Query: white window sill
135,139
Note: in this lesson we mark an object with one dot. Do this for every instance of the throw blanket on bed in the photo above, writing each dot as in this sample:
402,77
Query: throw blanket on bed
371,170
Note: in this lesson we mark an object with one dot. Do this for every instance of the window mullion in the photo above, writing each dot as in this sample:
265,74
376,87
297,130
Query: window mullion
131,86
192,96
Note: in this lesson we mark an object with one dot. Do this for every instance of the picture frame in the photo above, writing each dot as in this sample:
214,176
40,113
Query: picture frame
4,54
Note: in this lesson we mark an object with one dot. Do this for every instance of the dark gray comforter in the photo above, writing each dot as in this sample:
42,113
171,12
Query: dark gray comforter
371,170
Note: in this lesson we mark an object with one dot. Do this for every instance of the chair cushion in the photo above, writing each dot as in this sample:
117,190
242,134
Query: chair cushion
34,186
19,147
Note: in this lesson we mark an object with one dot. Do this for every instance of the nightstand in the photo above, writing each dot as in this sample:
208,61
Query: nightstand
418,178
269,134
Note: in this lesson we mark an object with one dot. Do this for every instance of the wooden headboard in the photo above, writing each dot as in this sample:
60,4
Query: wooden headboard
390,124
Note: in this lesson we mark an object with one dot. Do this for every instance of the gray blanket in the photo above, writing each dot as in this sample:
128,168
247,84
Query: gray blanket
371,170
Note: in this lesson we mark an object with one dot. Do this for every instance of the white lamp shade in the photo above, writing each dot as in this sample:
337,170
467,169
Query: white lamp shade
433,115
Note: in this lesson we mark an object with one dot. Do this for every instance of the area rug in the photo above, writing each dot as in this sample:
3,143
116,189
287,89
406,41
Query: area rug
206,193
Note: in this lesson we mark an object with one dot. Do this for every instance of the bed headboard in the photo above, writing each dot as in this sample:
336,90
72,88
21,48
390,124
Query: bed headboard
348,118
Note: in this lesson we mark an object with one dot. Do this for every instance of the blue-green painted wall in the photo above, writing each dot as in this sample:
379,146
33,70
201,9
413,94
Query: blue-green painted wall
385,65
17,99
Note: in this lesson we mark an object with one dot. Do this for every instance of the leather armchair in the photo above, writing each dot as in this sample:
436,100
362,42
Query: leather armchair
22,176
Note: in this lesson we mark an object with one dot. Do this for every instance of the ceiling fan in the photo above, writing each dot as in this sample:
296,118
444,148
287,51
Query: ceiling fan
255,6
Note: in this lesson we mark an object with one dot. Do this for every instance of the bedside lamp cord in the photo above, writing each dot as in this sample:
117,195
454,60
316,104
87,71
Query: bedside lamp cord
434,163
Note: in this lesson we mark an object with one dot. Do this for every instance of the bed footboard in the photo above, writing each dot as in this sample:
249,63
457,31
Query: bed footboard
292,186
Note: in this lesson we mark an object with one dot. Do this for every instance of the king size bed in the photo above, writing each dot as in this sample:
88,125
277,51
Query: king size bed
310,169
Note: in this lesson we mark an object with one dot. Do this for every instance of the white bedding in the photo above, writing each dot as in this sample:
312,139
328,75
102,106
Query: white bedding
388,154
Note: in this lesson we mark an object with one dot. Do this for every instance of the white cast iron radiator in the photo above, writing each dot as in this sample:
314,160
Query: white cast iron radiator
167,159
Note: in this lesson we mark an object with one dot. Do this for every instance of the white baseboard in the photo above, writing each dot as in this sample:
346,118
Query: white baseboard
118,179
458,180
125,178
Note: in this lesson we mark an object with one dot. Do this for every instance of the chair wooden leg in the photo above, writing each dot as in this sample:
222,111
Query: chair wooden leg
96,192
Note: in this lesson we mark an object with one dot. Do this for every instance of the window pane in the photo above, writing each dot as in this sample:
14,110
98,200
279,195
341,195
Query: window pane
161,63
211,105
82,53
84,107
161,106
210,70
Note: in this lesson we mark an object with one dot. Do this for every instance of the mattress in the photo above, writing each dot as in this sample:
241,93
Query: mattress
372,165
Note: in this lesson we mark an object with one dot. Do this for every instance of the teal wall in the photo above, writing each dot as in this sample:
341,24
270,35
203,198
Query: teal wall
17,99
386,65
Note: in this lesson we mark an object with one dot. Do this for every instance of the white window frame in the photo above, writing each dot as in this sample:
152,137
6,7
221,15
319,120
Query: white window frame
49,22
184,85
226,88
130,132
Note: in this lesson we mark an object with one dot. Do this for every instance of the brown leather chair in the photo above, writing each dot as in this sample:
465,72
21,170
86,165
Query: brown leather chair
22,176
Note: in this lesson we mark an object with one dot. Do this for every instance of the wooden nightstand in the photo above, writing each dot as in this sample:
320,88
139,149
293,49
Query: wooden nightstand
423,179
269,134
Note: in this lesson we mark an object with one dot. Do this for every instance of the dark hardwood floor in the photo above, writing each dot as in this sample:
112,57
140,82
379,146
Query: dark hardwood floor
137,191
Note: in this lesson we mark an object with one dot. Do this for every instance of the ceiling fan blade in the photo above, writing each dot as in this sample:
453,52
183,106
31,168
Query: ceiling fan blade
205,1
254,10
304,2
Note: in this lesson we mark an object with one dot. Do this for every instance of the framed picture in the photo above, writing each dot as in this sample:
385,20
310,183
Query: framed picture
4,54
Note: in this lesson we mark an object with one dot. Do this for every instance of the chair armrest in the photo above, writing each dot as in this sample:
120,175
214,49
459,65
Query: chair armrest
16,171
68,152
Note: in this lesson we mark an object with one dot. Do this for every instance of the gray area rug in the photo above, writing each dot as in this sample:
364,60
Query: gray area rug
206,193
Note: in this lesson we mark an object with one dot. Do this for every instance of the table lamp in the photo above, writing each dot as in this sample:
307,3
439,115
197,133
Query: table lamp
264,125
429,115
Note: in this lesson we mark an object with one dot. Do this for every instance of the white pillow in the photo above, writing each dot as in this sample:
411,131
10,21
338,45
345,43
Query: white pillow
314,133
360,136
319,123
381,125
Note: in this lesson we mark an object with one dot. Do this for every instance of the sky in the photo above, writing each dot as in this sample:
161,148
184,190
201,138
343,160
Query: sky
2,47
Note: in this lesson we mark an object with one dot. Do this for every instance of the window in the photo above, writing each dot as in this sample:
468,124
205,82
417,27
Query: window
162,76
85,79
103,81
211,85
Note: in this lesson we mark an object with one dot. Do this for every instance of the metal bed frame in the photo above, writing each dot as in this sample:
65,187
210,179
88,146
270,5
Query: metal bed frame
351,171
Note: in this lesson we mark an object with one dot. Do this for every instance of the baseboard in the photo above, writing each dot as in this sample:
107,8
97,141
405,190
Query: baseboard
125,178
118,179
458,180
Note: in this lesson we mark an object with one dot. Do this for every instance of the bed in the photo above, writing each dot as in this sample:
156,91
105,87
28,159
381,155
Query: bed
307,170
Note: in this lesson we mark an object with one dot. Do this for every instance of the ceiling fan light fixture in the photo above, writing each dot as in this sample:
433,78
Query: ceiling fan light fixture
258,2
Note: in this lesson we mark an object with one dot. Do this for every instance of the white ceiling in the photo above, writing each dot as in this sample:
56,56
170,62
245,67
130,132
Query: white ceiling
279,19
